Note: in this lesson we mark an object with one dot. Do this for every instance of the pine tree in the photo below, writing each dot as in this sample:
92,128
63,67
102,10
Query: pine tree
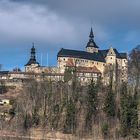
35,117
109,105
129,113
70,123
124,110
67,74
91,104
134,115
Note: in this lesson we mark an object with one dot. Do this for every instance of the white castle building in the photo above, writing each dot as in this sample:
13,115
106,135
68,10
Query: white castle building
89,64
93,61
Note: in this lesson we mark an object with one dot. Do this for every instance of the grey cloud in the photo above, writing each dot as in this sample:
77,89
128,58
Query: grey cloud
35,22
108,17
25,22
107,11
66,20
53,24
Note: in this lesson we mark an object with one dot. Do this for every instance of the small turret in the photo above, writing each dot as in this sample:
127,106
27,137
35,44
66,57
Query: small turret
33,57
91,45
32,63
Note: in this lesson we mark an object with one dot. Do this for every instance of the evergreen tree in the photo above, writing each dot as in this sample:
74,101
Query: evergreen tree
91,104
27,121
68,74
134,115
109,104
124,110
128,113
70,123
105,129
35,117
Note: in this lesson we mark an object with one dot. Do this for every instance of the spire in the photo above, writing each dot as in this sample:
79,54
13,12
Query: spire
33,56
33,47
33,44
91,34
91,42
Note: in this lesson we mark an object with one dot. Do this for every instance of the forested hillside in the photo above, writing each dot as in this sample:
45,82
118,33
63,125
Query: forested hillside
95,110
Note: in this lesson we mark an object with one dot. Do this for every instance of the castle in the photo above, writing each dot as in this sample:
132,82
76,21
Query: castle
89,64
94,62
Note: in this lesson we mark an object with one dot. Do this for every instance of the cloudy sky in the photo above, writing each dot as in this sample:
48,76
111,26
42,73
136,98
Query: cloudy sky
56,24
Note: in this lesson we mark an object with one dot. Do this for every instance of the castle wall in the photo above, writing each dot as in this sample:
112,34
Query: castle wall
62,63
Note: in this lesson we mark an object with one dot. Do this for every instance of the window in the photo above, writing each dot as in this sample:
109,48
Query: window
110,57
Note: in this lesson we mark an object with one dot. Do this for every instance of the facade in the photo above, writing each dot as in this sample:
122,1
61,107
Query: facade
95,59
90,64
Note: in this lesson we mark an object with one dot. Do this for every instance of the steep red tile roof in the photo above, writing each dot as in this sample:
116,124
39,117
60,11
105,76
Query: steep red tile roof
70,63
88,69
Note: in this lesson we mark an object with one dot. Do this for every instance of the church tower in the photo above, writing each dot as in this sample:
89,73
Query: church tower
32,63
91,45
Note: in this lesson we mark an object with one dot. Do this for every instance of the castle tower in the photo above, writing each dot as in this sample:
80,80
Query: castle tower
91,45
32,63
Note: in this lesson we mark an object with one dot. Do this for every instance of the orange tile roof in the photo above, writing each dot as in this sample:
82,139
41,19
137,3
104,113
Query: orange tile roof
88,69
70,63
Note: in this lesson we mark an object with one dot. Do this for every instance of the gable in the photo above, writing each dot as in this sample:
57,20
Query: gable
111,52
